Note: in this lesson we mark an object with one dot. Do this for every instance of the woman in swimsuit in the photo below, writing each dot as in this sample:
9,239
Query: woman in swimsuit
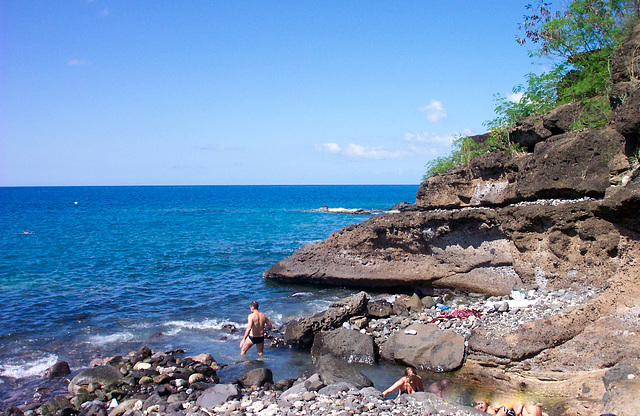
410,383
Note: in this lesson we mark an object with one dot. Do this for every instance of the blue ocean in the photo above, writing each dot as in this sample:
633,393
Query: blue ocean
97,271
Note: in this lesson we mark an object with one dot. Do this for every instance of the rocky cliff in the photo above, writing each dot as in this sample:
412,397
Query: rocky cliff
565,213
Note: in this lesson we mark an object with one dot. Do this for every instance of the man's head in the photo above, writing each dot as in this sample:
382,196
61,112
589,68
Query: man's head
254,305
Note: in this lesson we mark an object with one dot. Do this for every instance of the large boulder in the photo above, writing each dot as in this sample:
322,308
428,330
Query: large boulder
333,371
256,377
103,375
425,347
346,344
301,332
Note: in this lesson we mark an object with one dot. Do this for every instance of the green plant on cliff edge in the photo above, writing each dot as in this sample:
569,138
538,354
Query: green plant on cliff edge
579,42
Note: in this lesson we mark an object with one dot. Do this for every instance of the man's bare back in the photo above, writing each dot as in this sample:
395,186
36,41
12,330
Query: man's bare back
256,324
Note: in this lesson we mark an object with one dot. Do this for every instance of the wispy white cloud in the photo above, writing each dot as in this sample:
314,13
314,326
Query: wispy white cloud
366,152
428,138
358,151
74,62
105,12
515,97
329,147
435,111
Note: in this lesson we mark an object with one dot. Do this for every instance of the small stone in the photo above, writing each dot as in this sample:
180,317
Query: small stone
145,380
142,366
196,377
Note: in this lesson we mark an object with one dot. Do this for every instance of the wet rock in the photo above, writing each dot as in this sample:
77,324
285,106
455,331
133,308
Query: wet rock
59,369
103,375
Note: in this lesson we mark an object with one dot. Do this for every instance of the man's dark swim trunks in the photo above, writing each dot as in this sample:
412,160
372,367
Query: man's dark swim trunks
256,340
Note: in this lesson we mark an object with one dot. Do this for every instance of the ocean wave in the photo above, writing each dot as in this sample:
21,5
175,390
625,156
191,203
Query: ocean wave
110,339
341,210
27,368
207,324
301,294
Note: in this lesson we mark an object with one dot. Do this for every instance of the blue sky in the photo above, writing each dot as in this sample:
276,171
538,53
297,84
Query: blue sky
122,92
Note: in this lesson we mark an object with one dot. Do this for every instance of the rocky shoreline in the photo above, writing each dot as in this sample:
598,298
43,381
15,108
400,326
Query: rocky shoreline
167,383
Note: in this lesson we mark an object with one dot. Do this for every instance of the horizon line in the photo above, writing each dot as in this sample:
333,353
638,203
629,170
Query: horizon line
183,185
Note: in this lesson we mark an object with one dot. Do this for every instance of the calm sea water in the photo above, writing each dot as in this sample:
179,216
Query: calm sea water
97,271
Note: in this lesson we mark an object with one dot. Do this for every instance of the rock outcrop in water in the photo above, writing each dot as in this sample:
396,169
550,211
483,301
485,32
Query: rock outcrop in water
563,215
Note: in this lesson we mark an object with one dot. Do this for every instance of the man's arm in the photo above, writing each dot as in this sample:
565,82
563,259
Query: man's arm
247,331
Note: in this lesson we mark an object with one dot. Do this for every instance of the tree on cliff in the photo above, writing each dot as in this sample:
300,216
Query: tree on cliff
578,41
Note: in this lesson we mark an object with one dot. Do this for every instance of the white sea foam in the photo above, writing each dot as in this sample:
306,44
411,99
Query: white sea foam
301,294
27,368
110,339
207,324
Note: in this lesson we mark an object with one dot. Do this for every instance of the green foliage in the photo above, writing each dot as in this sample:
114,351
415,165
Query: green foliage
539,96
583,26
465,149
579,41
596,112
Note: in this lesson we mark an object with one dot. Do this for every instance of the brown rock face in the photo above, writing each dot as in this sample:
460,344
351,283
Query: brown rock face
413,248
570,165
482,250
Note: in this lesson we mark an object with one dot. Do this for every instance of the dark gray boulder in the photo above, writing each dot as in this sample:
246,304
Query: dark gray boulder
346,344
302,331
332,371
59,369
425,347
256,377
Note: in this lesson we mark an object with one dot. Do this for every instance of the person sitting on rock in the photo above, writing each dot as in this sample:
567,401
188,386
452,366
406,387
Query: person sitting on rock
485,406
410,383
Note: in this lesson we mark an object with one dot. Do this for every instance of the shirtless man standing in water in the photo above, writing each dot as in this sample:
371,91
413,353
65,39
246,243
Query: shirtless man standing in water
255,330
